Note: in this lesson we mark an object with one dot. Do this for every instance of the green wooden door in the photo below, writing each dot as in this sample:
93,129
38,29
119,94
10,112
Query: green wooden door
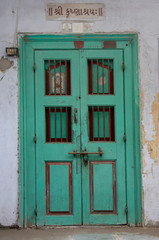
80,157
102,130
58,174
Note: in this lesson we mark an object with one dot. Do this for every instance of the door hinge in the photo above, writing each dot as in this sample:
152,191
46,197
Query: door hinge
124,137
126,210
35,138
123,67
34,67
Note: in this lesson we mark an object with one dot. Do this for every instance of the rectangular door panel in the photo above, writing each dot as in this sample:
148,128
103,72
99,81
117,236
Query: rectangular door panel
59,188
102,187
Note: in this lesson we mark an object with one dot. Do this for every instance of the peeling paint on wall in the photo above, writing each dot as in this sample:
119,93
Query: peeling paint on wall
5,64
142,125
153,146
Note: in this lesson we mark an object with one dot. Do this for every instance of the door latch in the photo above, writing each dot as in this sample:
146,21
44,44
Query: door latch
85,157
75,115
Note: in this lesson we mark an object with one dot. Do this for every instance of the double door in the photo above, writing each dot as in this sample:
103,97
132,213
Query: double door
80,149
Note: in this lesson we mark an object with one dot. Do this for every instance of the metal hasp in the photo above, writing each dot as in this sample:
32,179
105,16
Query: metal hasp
100,152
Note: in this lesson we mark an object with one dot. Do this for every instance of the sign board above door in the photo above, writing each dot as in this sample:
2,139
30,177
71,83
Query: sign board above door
75,11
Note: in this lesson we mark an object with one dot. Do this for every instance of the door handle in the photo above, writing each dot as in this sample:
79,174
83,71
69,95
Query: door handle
100,152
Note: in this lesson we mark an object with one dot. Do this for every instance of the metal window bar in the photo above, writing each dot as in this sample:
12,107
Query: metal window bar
61,133
60,76
66,77
98,124
104,121
97,79
55,126
108,125
93,121
61,121
110,130
103,74
55,77
92,74
108,78
49,79
66,124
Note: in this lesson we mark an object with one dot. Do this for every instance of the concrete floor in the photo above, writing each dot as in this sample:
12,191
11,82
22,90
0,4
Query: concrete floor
81,233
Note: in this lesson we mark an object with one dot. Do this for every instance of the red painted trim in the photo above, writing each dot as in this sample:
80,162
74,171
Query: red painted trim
79,44
68,80
91,124
97,78
69,124
91,186
111,82
70,189
47,77
114,189
112,125
47,167
90,76
48,130
114,211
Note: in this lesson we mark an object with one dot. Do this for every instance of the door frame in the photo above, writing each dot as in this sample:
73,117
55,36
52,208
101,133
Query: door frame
129,45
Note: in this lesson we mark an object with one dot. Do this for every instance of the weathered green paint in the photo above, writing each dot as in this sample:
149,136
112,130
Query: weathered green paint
28,46
56,152
113,151
59,179
103,187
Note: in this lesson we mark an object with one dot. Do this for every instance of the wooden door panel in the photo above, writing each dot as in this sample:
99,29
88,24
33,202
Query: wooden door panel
102,112
58,176
102,187
59,188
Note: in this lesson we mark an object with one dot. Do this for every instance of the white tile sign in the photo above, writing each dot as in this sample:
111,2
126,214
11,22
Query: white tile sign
75,11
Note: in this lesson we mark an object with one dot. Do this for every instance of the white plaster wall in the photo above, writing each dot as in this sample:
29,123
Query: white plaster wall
122,16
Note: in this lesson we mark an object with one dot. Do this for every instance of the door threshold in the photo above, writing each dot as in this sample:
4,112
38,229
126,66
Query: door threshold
80,226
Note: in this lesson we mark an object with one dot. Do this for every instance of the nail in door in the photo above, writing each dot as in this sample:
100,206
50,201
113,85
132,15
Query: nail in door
80,164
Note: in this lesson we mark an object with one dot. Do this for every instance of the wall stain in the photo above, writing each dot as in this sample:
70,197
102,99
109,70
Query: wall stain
143,134
5,64
153,146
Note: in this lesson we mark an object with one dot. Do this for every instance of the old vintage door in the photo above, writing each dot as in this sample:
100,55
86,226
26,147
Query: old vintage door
80,151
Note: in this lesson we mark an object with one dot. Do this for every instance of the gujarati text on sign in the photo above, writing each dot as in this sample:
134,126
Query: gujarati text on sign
78,11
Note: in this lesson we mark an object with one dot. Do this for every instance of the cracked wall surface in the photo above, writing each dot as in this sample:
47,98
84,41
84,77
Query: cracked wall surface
122,16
